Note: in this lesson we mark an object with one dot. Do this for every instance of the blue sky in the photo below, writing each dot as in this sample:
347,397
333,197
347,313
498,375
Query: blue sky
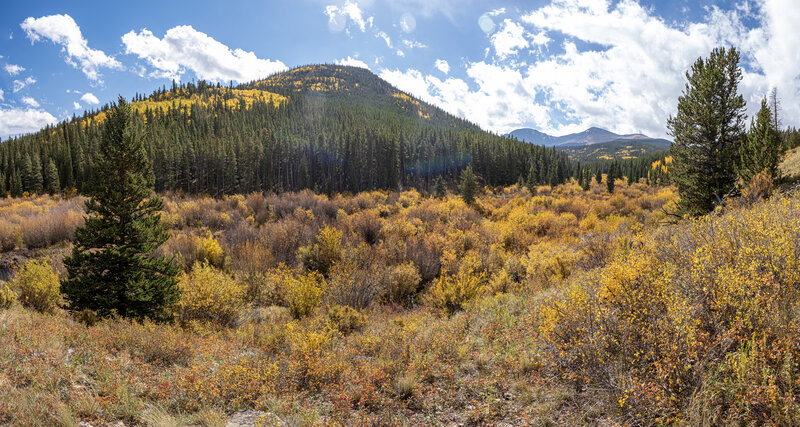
557,65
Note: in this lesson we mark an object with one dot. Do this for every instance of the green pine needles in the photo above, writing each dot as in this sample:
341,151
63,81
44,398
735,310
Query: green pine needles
708,131
112,269
762,149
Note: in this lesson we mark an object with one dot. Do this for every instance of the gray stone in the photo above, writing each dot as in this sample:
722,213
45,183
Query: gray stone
253,418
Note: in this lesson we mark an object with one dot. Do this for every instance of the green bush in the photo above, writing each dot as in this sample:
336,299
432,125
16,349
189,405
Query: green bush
38,286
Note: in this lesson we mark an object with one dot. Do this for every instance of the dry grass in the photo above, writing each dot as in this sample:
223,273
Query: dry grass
791,163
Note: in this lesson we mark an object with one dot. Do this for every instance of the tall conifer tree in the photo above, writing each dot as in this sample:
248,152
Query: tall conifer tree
112,268
708,132
761,150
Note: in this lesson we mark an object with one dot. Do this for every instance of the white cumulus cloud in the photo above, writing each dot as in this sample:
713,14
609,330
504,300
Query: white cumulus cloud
509,39
62,30
20,84
76,105
27,100
1,94
353,62
89,98
184,48
413,44
616,65
501,101
16,121
13,69
442,66
339,16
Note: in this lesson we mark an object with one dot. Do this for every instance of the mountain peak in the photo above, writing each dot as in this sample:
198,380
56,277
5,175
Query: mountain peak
590,137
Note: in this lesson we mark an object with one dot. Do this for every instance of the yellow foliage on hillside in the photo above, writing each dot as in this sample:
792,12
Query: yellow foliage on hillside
180,99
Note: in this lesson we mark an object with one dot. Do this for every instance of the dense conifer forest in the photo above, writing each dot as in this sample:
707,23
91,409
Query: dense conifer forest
326,128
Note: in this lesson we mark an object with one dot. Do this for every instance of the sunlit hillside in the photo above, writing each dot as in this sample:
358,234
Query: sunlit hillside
180,99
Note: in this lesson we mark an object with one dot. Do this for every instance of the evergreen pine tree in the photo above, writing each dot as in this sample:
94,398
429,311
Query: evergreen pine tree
15,184
611,176
439,187
531,181
27,173
51,181
762,148
708,132
36,179
468,186
112,267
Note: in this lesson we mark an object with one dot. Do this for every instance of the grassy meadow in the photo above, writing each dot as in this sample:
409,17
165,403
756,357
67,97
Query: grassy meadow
554,306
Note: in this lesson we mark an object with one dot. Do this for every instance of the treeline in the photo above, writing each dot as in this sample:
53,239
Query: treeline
325,141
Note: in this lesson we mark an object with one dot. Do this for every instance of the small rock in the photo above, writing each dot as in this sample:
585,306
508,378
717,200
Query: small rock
252,418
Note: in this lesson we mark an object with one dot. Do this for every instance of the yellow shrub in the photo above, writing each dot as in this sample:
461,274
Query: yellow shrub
451,293
346,319
38,286
549,263
303,293
208,294
403,281
7,296
210,251
323,254
502,282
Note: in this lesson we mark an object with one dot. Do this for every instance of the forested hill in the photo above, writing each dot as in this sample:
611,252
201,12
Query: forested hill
325,127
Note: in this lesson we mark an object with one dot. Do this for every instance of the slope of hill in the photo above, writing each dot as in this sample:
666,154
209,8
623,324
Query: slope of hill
325,127
581,145
790,165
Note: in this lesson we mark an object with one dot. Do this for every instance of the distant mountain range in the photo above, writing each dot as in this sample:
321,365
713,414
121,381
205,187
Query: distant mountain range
595,143
593,135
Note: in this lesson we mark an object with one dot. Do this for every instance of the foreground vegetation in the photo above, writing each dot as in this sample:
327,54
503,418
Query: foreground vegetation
567,306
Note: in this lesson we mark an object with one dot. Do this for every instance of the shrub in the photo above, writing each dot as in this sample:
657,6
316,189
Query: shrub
86,316
451,293
10,236
346,319
323,254
402,282
190,249
7,296
38,286
353,286
183,246
404,385
426,254
367,225
760,187
211,252
502,282
208,294
303,293
45,229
